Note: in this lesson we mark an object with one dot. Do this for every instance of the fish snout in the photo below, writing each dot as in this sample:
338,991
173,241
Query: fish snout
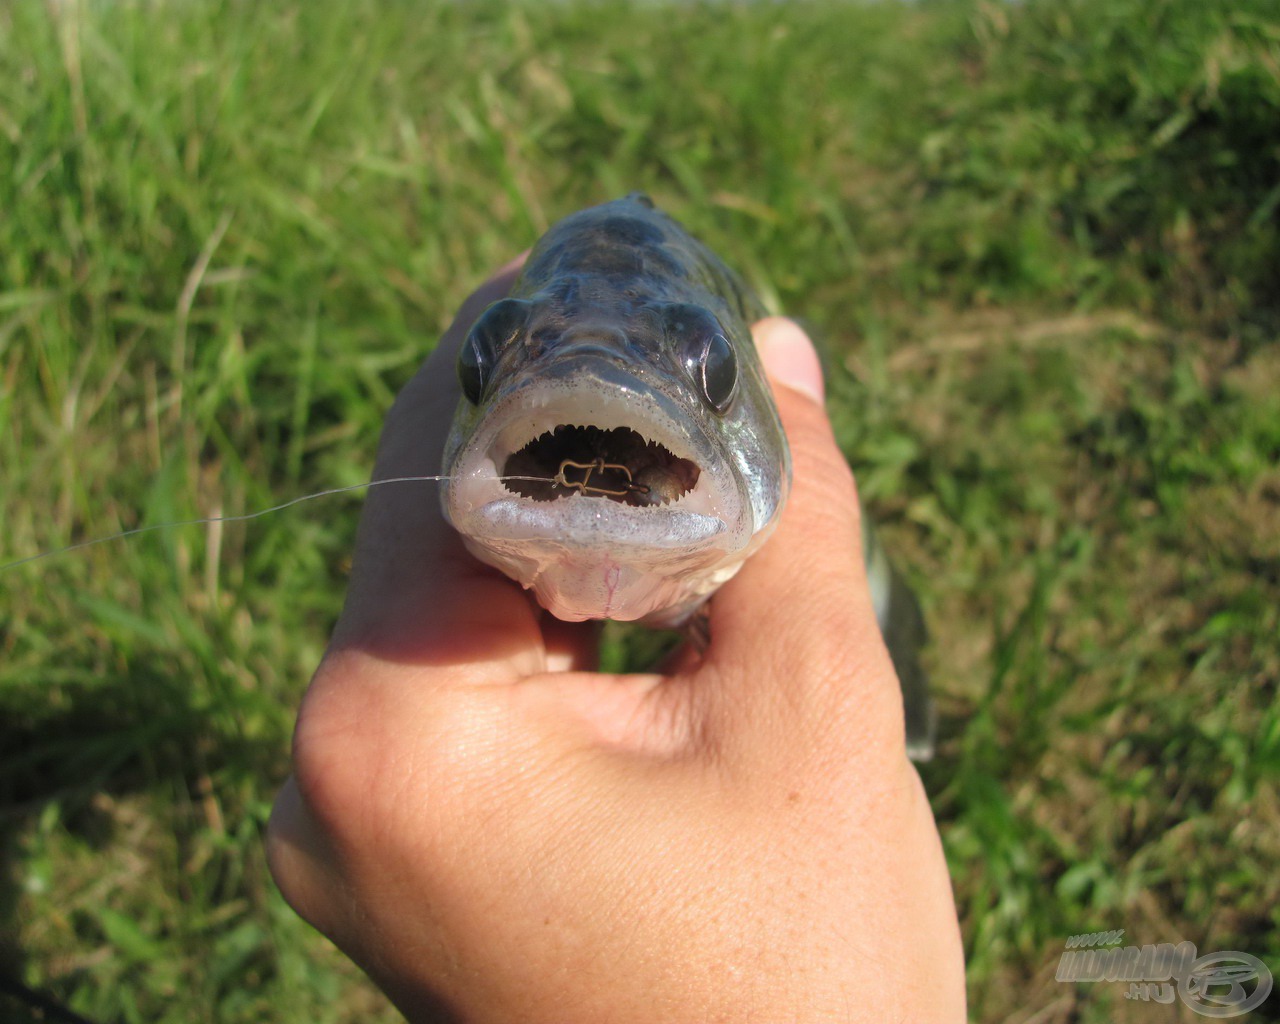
589,339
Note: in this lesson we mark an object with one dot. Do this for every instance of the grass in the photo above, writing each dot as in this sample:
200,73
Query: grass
1038,241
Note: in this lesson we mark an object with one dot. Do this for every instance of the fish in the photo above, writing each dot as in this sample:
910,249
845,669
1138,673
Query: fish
616,448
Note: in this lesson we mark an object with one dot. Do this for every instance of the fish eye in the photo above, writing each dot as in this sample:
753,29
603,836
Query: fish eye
705,352
474,367
719,377
493,330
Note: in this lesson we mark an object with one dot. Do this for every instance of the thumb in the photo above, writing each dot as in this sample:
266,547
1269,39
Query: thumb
800,610
789,358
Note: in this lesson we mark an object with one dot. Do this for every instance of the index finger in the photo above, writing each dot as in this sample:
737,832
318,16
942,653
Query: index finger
416,595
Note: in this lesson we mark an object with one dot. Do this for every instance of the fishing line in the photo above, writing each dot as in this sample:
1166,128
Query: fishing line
241,518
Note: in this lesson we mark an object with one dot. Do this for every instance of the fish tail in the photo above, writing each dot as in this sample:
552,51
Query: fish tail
905,635
902,625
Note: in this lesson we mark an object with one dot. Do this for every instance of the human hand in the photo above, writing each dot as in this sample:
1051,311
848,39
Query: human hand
495,833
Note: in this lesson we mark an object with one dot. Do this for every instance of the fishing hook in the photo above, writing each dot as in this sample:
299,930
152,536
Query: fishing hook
584,485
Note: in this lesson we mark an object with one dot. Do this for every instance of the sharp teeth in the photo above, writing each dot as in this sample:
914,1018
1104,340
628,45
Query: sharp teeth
605,455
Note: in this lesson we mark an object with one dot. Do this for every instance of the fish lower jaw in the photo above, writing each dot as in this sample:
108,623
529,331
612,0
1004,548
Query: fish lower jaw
591,558
577,581
589,524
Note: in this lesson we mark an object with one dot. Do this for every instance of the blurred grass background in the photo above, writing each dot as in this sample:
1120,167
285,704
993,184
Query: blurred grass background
1039,242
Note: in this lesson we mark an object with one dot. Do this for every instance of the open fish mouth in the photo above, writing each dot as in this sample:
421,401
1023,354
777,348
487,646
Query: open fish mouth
605,509
618,464
601,469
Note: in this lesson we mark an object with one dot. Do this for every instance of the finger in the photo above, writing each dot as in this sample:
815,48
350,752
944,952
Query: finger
416,595
800,609
300,861
411,584
570,646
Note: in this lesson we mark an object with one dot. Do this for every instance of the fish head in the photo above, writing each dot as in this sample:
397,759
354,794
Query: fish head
618,454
